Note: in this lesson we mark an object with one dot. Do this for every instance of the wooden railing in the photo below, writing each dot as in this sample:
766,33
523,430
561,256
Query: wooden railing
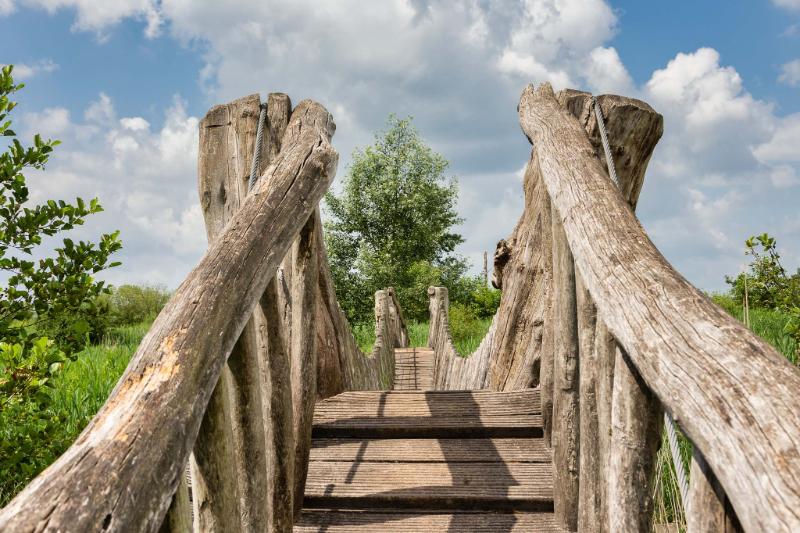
227,377
632,337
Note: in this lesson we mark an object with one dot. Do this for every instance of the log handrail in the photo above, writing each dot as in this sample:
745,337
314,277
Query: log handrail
731,392
452,370
127,463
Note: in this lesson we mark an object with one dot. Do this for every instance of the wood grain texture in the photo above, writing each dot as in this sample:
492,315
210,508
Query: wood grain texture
633,130
484,450
231,441
566,416
304,354
589,502
429,414
707,508
728,389
129,459
280,430
398,485
312,521
636,422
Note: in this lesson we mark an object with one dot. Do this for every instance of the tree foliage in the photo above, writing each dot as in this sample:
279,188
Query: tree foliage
47,305
767,283
392,224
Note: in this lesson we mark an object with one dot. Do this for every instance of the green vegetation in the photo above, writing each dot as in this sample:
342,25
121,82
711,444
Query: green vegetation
392,226
50,307
467,330
75,394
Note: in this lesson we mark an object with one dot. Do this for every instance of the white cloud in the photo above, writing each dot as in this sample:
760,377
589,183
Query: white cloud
724,169
98,15
790,73
134,124
788,4
721,171
145,179
24,71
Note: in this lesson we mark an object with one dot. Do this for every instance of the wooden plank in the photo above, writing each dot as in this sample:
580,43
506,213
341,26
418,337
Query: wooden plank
312,521
433,413
702,364
522,486
509,450
130,458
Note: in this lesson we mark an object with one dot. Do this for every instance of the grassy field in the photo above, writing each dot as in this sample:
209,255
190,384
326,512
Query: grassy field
466,337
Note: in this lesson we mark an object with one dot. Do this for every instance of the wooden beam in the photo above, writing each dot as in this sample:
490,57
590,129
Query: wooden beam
304,355
231,458
130,458
708,509
566,416
636,423
703,365
589,502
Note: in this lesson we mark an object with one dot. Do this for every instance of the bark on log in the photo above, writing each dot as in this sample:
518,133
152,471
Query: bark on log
231,456
304,355
589,502
566,416
633,130
730,390
130,458
708,509
635,436
546,375
179,515
280,430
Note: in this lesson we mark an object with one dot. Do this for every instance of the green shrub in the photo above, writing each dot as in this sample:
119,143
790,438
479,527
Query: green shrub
132,304
34,433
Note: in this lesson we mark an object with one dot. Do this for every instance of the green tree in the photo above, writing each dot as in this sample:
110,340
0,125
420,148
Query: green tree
768,284
392,224
47,305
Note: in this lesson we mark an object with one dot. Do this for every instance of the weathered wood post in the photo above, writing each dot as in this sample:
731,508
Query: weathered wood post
230,478
304,355
708,509
633,129
565,436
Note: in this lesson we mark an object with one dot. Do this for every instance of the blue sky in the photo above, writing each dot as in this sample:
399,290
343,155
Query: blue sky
123,83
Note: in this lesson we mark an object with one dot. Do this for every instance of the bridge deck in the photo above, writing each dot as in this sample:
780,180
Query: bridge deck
428,461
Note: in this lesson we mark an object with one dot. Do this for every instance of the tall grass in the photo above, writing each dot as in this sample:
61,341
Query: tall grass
83,385
467,336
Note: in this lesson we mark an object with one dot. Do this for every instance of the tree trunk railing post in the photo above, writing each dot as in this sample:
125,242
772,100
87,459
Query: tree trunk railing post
675,347
566,416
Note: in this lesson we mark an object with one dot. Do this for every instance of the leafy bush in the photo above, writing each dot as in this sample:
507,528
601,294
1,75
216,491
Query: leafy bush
132,304
72,396
48,307
767,285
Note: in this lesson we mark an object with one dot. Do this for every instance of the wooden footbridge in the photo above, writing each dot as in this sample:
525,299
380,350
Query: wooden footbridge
251,380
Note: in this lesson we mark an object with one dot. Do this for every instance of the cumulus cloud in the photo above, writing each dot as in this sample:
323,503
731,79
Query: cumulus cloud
98,16
24,71
724,169
721,171
790,73
788,4
145,179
